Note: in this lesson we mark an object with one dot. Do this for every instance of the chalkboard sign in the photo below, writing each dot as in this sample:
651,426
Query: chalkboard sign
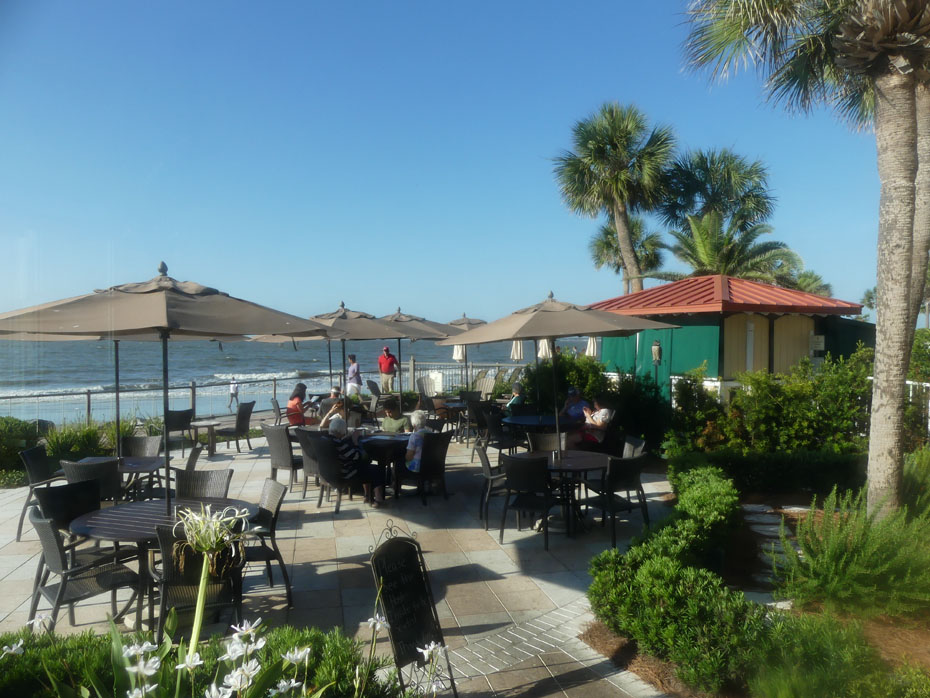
406,598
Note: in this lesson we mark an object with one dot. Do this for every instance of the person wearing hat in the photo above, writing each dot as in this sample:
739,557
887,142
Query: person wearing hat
353,377
575,405
387,365
516,399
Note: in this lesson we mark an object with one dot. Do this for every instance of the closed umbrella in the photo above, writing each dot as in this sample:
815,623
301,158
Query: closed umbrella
516,350
545,350
458,353
551,319
591,348
465,323
161,307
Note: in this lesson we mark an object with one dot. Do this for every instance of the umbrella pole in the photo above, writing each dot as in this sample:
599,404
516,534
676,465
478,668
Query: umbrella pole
555,401
164,395
329,350
467,382
119,440
342,381
536,354
400,376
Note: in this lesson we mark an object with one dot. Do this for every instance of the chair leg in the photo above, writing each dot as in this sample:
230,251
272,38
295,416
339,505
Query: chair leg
484,495
339,499
238,450
287,580
504,518
546,530
274,474
248,440
22,515
641,495
33,607
319,501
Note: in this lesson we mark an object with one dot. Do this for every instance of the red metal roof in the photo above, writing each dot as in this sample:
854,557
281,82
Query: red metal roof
721,294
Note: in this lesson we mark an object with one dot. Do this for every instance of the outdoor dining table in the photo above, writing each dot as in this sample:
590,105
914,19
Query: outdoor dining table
386,448
573,466
541,423
137,522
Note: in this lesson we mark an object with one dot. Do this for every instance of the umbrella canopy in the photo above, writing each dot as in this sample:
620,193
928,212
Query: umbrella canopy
467,323
516,350
415,327
161,307
357,325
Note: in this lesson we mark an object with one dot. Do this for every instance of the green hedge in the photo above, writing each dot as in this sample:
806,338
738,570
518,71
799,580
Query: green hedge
15,435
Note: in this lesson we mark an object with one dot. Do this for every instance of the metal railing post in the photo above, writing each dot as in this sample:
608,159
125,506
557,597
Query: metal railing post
274,388
194,397
412,373
88,408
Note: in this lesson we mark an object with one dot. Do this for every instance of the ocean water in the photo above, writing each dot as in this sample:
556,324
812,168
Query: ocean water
32,369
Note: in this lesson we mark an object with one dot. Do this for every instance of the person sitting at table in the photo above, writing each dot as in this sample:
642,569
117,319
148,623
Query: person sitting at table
595,425
393,420
336,407
357,468
297,404
574,405
415,445
516,398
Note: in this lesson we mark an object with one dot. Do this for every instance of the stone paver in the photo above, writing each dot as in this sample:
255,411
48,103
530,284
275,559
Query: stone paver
510,612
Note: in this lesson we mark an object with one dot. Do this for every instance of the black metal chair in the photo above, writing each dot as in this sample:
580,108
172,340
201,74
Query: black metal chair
105,472
40,472
622,475
177,579
141,445
179,420
330,470
500,438
81,574
432,466
203,484
477,419
528,489
63,503
633,446
282,456
276,408
241,429
158,492
263,526
494,481
545,441
307,454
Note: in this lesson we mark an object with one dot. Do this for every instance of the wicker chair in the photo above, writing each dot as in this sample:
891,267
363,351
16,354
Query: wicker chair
432,466
263,527
105,472
282,456
203,484
622,475
158,492
307,454
493,482
40,472
81,574
241,429
179,420
177,579
141,445
545,442
330,469
528,489
63,503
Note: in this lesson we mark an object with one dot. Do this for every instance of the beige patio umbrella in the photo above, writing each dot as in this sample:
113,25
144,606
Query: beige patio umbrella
465,323
161,307
551,319
413,327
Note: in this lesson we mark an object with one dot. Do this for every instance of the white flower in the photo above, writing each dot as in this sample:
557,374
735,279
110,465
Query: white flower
235,648
246,627
17,648
237,680
438,686
141,691
190,663
137,650
296,656
43,621
255,646
145,667
377,622
214,692
285,686
431,649
251,668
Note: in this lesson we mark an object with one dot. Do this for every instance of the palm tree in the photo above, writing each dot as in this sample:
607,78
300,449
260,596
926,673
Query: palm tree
616,168
605,251
716,180
811,282
843,53
709,248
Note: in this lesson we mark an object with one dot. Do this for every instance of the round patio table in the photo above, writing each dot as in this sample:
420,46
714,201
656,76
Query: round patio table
386,450
541,423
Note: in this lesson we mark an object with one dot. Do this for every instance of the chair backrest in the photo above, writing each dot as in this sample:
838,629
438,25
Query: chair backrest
545,442
485,386
373,388
276,408
327,458
279,445
38,465
435,448
106,473
476,412
633,446
515,374
53,549
306,438
477,377
495,426
424,385
435,424
141,445
469,395
179,420
526,474
192,458
486,468
624,473
65,502
269,504
203,483
243,415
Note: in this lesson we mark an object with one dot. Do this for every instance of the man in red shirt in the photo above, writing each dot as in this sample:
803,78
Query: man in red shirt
387,364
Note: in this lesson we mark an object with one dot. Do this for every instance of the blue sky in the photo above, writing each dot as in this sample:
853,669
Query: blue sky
301,153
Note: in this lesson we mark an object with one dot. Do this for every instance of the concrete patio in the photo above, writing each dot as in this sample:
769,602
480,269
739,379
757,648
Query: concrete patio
510,612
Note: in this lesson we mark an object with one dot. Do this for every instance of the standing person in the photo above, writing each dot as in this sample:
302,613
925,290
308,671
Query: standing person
387,365
353,377
233,393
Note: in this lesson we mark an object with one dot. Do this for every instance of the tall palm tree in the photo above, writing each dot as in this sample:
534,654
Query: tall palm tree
716,180
605,251
844,52
616,168
810,281
709,248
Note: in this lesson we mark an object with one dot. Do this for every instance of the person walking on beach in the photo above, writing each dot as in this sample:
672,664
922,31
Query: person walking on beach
387,365
233,393
353,377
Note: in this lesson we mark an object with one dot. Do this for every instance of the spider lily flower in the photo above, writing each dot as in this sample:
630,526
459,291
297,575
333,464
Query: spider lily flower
296,656
16,648
190,663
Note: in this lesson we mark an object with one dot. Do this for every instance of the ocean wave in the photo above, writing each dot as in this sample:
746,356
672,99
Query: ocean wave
279,375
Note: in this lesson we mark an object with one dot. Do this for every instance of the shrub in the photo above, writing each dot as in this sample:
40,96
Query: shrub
75,441
697,420
127,427
903,682
856,563
10,479
915,483
15,435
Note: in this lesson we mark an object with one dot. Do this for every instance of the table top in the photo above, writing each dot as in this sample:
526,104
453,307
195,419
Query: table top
130,464
396,437
540,420
573,461
205,423
135,522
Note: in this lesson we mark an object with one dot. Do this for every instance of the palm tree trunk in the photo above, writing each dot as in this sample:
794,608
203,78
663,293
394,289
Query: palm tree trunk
921,205
627,252
896,144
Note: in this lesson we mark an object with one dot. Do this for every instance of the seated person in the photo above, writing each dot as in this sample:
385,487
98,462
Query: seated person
356,466
595,425
335,395
393,420
516,399
574,405
415,445
333,406
297,404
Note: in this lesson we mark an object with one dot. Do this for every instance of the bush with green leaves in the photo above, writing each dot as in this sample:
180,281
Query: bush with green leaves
856,562
127,427
73,441
697,420
915,483
15,435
